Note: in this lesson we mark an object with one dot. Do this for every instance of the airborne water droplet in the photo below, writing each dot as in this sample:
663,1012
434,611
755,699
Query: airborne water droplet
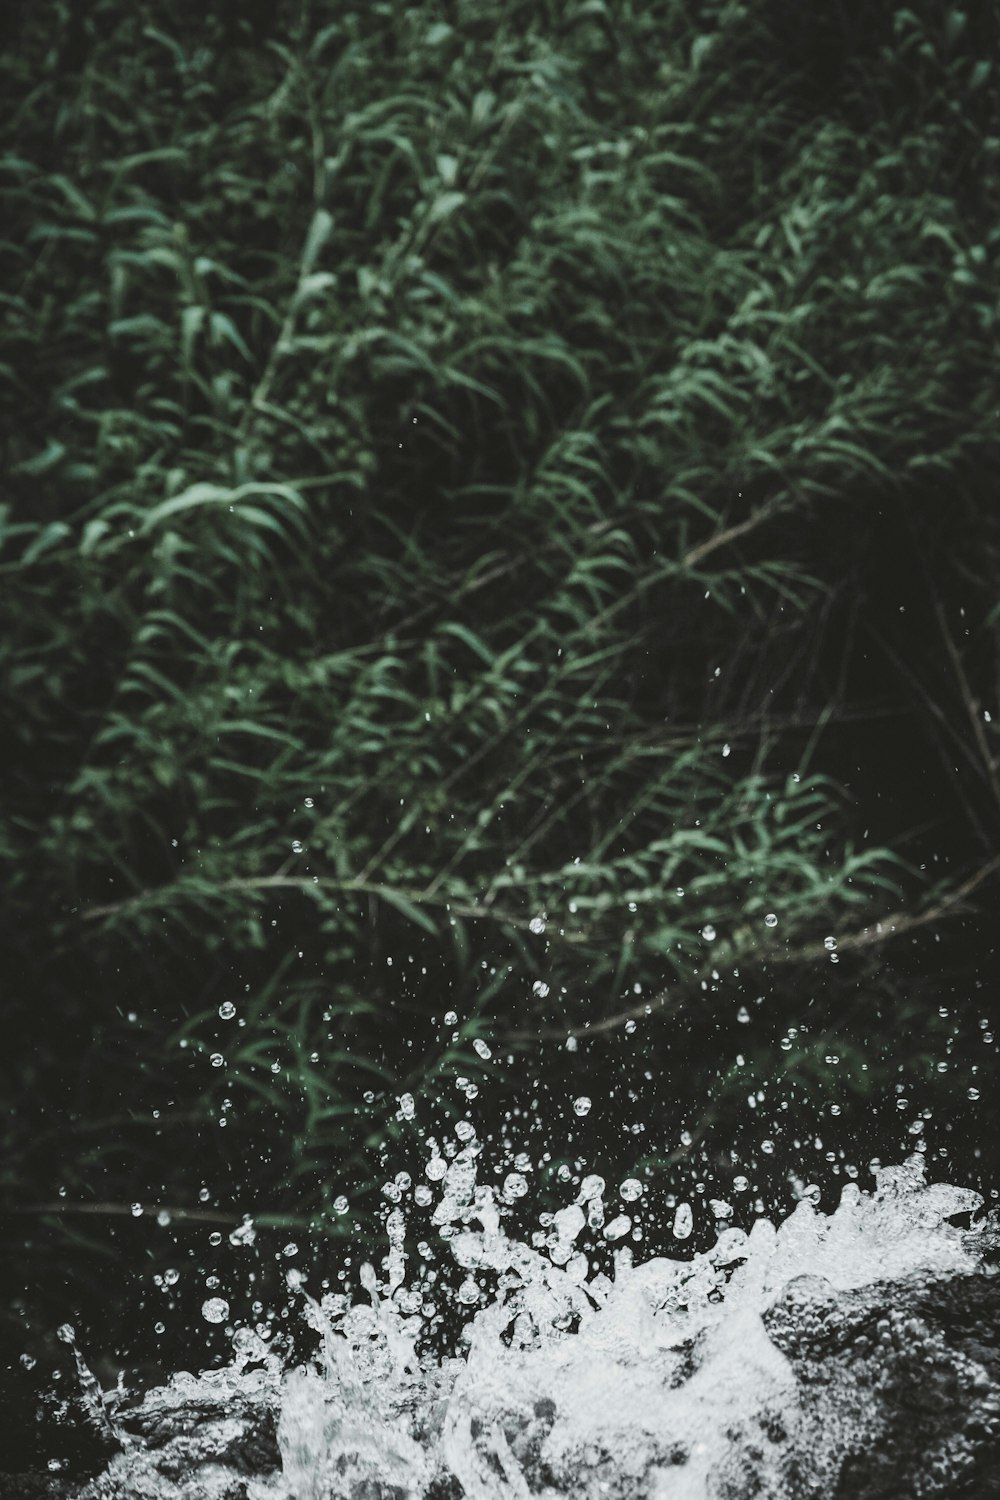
514,1185
708,933
582,1106
683,1221
215,1310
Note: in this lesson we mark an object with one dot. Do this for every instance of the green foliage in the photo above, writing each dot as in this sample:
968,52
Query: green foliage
440,441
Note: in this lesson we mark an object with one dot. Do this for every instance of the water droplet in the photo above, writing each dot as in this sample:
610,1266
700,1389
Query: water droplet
482,1048
708,933
720,1208
450,1018
767,1147
465,1130
243,1234
583,1105
422,1195
829,943
629,1027
340,1204
309,802
297,846
591,1187
618,1227
407,1106
217,1060
227,1010
741,1184
137,1210
726,750
537,926
630,1189
771,920
514,1185
972,1094
436,1168
540,988
66,1333
215,1310
743,1015
683,1221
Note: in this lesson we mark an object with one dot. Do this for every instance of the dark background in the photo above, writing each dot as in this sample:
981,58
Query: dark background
467,464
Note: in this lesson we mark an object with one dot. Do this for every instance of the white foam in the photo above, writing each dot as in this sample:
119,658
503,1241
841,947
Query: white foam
643,1376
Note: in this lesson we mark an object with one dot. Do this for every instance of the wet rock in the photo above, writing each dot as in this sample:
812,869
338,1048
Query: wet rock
898,1388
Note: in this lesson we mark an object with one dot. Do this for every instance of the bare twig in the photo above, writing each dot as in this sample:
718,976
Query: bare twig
670,997
309,882
731,533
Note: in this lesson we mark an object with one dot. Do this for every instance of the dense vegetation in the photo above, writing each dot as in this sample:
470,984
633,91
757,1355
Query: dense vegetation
500,500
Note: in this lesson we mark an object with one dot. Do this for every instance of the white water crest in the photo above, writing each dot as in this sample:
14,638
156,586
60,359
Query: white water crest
654,1380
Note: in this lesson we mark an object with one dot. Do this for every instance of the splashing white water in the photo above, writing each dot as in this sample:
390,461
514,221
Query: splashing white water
573,1383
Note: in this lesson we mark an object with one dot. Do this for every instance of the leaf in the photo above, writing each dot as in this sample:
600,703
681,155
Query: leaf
408,908
444,205
319,232
47,538
50,455
207,494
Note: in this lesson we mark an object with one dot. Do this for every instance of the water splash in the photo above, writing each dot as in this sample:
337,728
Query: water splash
654,1380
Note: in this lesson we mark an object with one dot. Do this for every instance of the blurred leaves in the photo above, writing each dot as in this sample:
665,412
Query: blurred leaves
429,445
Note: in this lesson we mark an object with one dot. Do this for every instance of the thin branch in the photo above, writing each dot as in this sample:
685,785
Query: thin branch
129,1211
177,1215
723,538
895,924
308,883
